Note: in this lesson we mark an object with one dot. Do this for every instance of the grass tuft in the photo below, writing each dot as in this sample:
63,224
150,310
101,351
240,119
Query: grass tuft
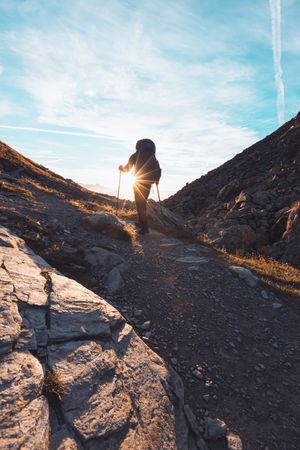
281,276
53,384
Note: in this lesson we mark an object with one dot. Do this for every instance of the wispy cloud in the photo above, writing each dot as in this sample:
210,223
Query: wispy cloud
275,10
118,72
53,131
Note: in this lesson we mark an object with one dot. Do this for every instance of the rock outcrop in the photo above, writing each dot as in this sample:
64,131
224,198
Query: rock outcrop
74,374
252,201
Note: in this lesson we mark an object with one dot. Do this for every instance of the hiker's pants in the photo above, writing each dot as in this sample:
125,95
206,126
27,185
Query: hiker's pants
141,194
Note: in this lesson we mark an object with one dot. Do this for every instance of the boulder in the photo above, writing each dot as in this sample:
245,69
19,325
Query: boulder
228,190
109,224
236,237
114,280
215,428
98,256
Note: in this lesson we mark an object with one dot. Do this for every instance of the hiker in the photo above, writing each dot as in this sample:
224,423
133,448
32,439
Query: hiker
147,171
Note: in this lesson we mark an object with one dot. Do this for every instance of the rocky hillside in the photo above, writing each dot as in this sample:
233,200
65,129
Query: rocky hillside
94,317
16,169
251,202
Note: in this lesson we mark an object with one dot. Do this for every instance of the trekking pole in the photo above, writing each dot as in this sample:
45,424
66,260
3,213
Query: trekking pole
117,207
159,198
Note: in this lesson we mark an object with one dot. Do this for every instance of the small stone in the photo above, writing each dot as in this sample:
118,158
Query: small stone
245,274
146,325
215,428
264,294
234,442
192,259
114,281
138,312
174,361
205,397
276,305
197,374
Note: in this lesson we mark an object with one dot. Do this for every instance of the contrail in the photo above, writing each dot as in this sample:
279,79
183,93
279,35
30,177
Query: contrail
275,9
48,130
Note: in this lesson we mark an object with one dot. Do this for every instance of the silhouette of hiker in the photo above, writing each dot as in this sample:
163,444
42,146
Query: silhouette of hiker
147,171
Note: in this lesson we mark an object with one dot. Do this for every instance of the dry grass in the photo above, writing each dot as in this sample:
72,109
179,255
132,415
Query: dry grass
53,384
12,188
95,208
278,275
122,212
43,188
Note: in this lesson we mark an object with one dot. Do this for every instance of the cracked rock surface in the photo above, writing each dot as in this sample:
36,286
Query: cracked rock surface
73,373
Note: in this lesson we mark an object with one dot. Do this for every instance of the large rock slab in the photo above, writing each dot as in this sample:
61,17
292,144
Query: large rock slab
28,428
77,312
24,270
164,220
24,421
10,319
21,381
10,324
87,374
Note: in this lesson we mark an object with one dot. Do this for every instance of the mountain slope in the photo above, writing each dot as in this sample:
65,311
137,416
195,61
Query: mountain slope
250,202
227,340
14,167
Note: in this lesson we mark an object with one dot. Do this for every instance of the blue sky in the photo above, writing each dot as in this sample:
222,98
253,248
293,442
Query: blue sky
196,76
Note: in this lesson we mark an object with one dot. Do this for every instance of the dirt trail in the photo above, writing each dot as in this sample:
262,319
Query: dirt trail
203,317
238,355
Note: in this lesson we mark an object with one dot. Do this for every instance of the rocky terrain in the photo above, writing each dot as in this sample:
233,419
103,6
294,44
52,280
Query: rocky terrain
84,286
74,372
252,202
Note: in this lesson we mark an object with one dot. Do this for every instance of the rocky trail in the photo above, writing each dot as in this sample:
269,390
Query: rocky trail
235,343
236,347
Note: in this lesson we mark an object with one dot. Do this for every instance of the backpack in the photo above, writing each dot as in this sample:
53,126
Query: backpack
147,166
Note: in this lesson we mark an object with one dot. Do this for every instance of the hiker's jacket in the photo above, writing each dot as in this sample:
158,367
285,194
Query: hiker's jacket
146,166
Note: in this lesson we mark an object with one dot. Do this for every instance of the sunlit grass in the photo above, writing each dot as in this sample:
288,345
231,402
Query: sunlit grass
95,208
278,275
14,188
43,187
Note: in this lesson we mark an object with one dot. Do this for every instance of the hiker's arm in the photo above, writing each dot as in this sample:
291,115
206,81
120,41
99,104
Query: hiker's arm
129,165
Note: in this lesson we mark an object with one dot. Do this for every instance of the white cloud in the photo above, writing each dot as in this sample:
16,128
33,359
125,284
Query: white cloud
123,73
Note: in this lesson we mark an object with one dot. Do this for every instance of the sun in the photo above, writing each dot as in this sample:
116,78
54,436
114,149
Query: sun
126,185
